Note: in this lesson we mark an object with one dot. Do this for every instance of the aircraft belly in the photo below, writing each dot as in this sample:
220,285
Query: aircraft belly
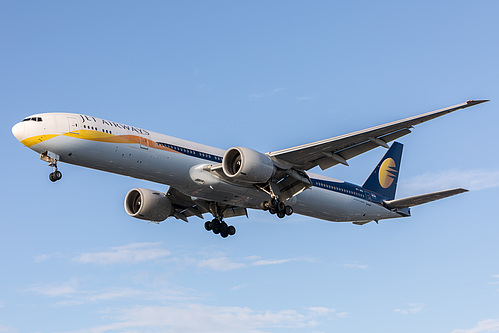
338,207
186,173
163,167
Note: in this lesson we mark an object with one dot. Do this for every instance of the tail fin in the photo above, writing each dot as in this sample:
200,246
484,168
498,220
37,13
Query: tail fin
383,179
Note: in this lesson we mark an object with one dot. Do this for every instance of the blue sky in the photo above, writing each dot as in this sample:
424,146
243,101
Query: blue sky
265,75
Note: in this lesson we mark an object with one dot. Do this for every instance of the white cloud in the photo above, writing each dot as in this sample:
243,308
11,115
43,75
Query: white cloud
261,95
69,294
131,253
495,276
485,326
43,257
263,262
355,265
55,290
223,263
204,318
6,329
220,264
477,179
308,98
413,308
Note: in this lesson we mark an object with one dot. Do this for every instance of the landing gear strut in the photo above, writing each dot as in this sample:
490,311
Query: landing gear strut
218,225
52,159
275,206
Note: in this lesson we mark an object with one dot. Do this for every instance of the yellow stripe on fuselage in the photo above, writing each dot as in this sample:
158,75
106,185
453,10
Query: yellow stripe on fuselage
103,137
99,137
37,139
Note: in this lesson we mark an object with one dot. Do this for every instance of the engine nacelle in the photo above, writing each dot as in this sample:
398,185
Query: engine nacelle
247,165
148,205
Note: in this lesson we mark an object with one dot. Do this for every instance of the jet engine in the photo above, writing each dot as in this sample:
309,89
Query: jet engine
247,165
148,205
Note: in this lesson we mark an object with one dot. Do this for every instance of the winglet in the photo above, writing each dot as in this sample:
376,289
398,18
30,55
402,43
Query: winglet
472,102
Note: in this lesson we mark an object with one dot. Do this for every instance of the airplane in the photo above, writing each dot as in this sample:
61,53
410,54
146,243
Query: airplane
226,183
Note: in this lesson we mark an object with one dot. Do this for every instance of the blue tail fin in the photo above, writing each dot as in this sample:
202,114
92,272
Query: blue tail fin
383,179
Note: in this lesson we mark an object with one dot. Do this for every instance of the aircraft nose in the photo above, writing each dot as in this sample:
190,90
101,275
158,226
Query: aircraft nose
18,131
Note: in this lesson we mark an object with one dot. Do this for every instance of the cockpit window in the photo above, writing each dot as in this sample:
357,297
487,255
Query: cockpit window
37,119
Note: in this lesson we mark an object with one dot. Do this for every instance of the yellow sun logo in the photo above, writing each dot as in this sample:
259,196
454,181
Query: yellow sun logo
387,173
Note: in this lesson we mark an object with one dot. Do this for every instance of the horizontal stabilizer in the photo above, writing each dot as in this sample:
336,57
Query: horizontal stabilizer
422,198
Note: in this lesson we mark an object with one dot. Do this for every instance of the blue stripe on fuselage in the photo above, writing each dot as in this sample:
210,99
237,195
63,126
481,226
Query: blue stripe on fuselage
343,187
191,152
349,189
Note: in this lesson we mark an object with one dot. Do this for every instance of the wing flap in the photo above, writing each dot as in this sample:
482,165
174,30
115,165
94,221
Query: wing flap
356,150
185,206
422,198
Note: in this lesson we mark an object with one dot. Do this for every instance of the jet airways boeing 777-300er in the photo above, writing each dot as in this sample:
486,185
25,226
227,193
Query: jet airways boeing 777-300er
225,183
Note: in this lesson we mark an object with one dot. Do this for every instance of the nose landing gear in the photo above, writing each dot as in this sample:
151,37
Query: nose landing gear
52,159
56,175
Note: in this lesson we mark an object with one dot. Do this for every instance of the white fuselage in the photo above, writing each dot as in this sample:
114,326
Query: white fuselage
113,147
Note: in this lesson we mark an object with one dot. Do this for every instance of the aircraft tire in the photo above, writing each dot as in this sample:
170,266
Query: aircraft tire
273,203
281,214
289,210
208,226
55,176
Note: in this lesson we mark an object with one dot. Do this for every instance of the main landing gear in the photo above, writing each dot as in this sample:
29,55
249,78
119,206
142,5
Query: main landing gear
275,206
218,225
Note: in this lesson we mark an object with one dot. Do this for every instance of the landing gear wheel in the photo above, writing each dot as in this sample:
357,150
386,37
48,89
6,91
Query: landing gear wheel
273,203
55,176
208,226
218,226
276,206
281,207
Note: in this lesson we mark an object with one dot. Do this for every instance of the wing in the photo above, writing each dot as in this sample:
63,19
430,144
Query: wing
185,206
329,152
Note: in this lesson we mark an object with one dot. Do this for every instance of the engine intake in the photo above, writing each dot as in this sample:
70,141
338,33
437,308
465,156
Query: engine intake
148,205
247,165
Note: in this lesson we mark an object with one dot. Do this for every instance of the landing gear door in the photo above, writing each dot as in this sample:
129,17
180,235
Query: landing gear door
73,125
